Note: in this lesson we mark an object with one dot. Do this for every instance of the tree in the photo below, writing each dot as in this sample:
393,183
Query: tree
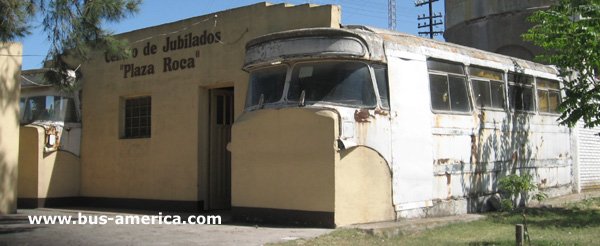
513,186
74,29
570,33
14,15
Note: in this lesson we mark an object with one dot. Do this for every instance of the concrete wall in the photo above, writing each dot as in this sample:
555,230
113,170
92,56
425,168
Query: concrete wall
363,187
493,25
10,68
458,11
286,161
45,175
29,158
289,165
172,163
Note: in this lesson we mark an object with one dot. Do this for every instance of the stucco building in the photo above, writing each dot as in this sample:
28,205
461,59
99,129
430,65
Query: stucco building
10,69
157,124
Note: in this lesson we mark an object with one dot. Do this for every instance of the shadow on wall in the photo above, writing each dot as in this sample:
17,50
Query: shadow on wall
495,153
498,153
63,180
45,175
10,94
8,185
9,137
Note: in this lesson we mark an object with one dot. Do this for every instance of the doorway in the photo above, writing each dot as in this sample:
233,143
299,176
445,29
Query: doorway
219,169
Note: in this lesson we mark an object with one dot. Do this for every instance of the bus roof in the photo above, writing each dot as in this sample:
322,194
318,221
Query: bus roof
380,41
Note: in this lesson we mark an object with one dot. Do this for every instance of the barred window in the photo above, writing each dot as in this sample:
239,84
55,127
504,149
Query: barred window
137,117
448,86
548,93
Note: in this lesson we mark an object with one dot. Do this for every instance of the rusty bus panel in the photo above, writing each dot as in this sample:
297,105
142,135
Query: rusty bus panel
440,161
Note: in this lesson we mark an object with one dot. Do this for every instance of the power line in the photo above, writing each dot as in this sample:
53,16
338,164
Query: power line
19,55
433,19
358,8
380,8
362,9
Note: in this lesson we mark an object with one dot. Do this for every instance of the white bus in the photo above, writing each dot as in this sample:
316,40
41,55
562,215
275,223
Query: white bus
355,124
56,111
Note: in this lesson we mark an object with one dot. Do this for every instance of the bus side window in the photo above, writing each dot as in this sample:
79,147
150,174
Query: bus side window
382,85
448,87
548,93
520,91
488,87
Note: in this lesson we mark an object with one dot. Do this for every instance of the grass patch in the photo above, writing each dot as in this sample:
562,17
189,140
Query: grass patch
574,224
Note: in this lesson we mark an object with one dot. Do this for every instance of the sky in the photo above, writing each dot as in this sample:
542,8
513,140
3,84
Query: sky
155,12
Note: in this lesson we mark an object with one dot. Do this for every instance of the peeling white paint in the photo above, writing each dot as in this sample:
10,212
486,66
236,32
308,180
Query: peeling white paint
441,162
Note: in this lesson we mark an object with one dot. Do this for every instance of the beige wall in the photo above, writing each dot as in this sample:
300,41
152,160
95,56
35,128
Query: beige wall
29,159
363,187
45,175
10,69
289,159
284,159
171,165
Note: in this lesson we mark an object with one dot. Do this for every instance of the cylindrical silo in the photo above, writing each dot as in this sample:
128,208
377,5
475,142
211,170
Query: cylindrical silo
493,25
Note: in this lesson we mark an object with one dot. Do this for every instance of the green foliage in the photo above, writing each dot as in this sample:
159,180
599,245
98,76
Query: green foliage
549,226
506,205
14,15
514,185
73,27
540,196
570,33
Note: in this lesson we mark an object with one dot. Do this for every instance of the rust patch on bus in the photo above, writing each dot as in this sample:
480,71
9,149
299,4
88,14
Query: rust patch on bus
449,184
443,161
363,131
362,115
381,112
437,120
474,149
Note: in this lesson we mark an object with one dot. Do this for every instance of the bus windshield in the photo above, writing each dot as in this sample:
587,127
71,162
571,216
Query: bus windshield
48,108
268,83
347,83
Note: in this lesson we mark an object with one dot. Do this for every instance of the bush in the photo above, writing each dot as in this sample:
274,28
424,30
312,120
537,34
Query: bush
514,185
506,205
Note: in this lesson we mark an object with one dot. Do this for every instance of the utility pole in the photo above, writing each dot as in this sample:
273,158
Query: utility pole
392,15
433,19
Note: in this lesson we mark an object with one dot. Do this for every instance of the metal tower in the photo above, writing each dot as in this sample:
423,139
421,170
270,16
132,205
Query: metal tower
392,15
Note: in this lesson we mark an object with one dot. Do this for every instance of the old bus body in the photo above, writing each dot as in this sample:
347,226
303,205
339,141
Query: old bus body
49,143
355,124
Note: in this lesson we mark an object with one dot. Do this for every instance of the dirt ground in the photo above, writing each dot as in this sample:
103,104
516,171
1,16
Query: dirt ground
16,230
